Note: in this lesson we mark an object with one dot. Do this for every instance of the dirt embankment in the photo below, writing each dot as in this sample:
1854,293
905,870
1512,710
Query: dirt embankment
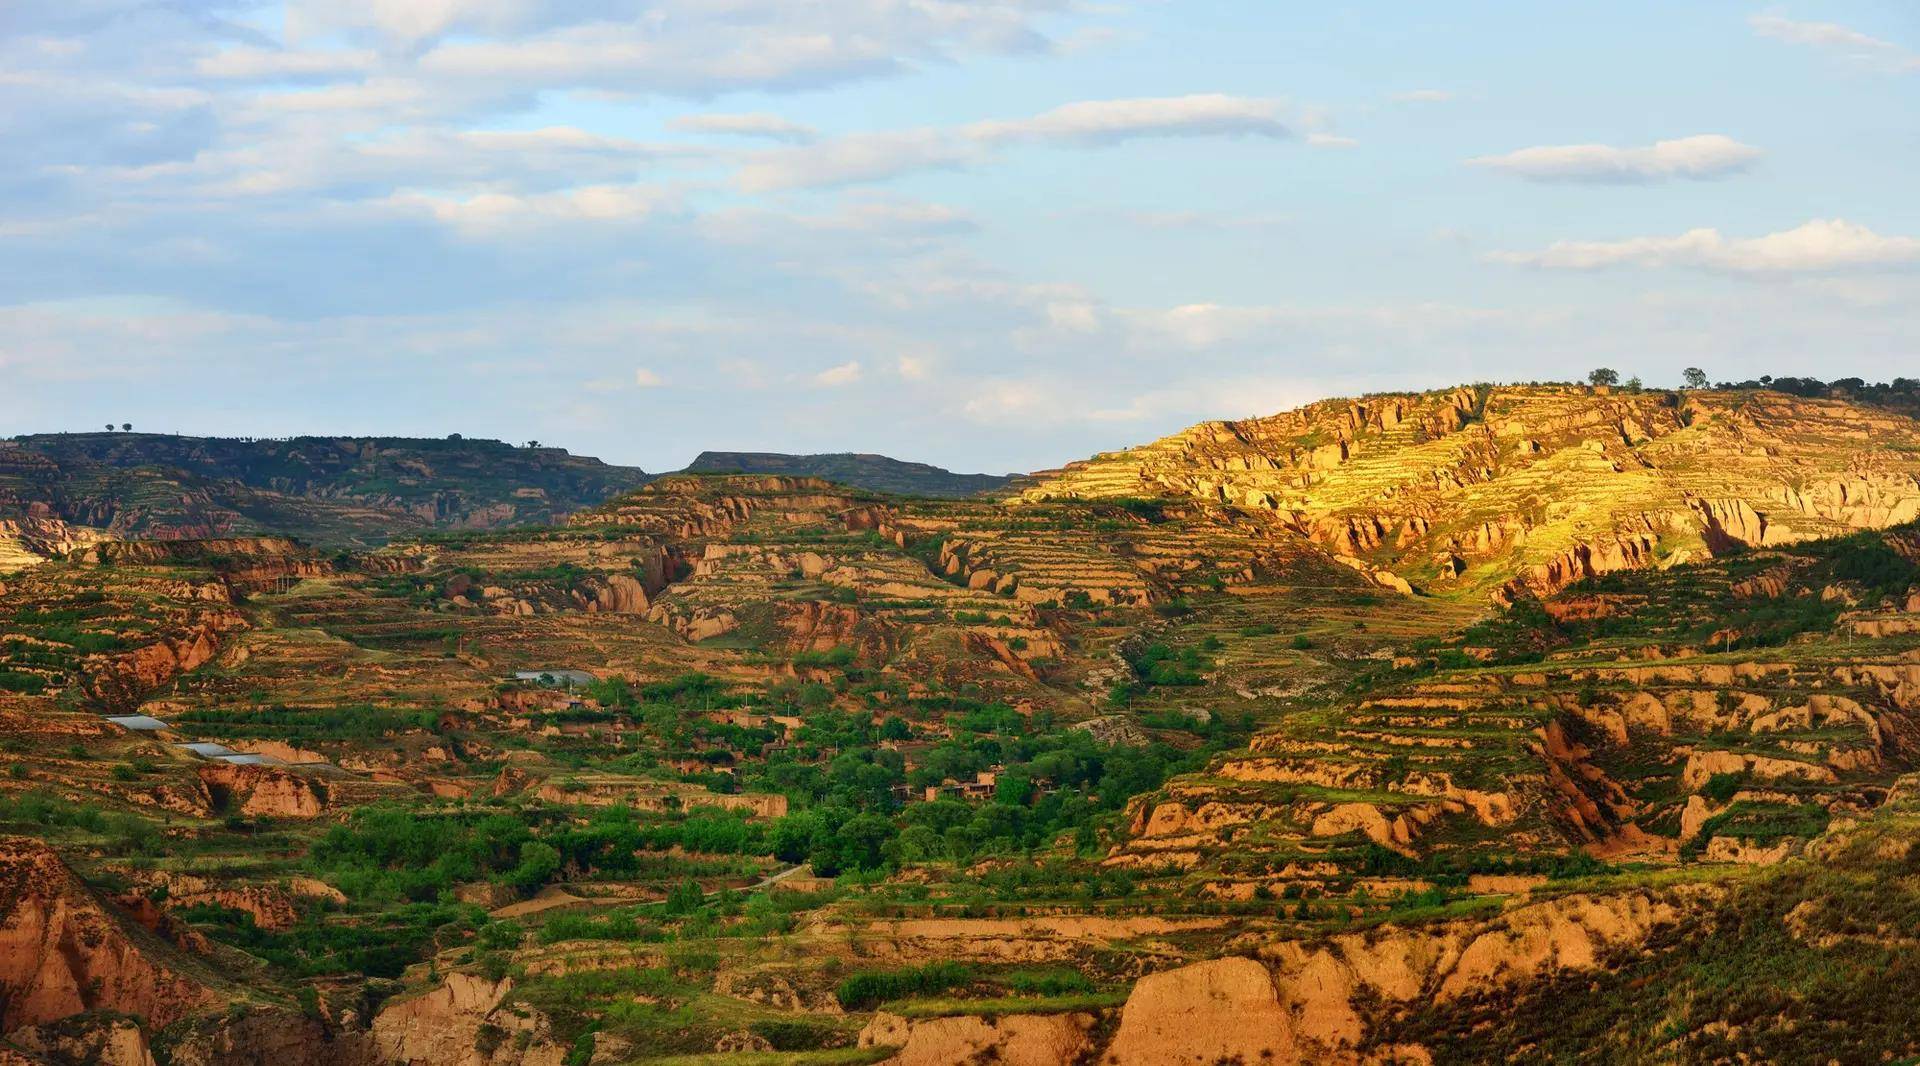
1310,1003
63,950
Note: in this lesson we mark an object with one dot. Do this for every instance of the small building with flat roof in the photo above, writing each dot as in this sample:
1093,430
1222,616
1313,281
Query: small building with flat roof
206,749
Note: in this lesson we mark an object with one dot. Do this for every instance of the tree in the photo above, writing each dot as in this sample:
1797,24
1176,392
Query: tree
126,427
1694,377
862,840
1633,384
109,427
918,843
685,897
1603,376
538,861
793,835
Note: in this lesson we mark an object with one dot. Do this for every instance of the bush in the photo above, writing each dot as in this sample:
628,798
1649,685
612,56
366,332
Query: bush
867,989
1721,787
23,683
1051,982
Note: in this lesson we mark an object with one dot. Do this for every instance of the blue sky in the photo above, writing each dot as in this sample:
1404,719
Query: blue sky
996,234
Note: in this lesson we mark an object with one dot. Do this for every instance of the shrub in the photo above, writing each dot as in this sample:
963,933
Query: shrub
23,683
1721,787
867,989
1049,982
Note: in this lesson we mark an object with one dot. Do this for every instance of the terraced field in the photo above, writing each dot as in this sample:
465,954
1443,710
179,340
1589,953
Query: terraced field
1135,768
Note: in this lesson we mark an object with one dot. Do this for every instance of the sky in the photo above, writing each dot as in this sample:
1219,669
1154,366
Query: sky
990,234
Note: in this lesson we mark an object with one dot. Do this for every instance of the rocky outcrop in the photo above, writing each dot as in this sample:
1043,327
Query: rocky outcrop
615,594
94,1041
271,906
265,791
64,950
28,539
463,1022
256,1036
1731,524
1304,1003
1010,1039
123,680
1582,561
1222,1010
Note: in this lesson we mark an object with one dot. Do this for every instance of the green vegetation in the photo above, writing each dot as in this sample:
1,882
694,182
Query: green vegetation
867,989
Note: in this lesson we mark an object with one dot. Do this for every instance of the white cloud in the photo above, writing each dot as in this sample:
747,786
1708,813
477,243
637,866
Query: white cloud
646,379
753,124
913,367
1112,121
1320,139
408,22
867,157
486,214
1007,400
1073,316
845,374
1707,155
698,48
1835,37
849,160
250,62
1424,96
1819,245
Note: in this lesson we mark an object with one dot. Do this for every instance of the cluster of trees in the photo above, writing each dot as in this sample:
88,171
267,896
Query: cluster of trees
388,853
1695,378
315,947
1158,664
611,838
1048,782
1814,387
866,989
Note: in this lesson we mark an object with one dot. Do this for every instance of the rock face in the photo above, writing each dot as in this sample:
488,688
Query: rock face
616,594
33,536
1214,1011
1310,1003
265,791
462,1023
269,1037
109,1042
1012,1040
122,680
63,950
